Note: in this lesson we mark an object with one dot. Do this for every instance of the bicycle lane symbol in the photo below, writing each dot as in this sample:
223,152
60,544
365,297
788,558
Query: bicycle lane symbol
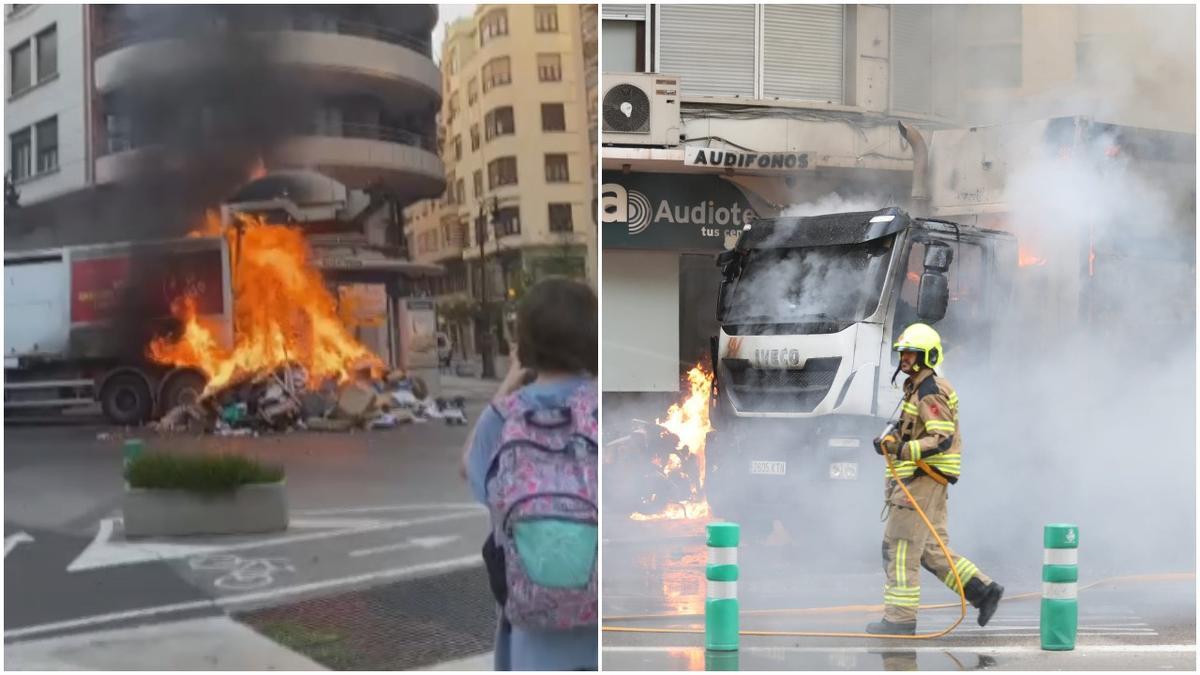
241,574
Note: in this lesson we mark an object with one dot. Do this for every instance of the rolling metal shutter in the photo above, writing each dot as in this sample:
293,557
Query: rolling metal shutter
630,12
710,47
912,58
803,54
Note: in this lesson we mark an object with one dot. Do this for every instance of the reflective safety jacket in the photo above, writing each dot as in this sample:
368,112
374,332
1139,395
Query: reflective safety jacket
929,427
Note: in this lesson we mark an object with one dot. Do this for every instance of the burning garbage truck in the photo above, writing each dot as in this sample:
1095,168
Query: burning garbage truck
233,329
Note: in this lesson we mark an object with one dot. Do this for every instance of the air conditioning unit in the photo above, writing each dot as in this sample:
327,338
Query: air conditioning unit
641,109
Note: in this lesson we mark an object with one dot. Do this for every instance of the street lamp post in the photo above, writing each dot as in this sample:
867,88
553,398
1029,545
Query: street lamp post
489,358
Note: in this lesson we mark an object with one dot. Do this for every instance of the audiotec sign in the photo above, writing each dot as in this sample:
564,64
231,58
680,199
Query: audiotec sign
671,211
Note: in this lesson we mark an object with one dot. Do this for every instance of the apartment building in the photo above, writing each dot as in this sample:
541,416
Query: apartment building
47,151
519,149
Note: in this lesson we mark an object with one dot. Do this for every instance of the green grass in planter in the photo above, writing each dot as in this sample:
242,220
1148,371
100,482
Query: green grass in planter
199,473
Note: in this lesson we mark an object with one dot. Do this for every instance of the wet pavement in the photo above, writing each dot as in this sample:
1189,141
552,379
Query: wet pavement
1144,622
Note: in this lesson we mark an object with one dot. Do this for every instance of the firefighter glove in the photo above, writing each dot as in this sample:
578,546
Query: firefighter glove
889,444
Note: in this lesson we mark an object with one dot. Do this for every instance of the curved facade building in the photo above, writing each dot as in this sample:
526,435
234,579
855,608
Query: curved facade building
350,91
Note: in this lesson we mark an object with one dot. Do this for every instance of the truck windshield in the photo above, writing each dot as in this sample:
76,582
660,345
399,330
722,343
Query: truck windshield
840,284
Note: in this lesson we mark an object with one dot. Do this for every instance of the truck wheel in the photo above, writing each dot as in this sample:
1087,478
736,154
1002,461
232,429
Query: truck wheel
183,388
126,399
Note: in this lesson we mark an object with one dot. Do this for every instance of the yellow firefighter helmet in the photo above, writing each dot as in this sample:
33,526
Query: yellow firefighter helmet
924,340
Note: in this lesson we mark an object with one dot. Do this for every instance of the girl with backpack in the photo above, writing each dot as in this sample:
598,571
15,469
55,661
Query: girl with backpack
532,460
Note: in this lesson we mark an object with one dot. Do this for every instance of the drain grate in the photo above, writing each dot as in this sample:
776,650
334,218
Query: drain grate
406,625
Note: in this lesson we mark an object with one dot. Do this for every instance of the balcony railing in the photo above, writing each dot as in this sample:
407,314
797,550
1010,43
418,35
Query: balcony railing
122,142
417,43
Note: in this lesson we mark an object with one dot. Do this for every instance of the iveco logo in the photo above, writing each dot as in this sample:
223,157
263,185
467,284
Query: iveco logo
626,206
777,358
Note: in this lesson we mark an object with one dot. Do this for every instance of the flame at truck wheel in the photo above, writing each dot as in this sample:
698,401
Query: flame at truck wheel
688,421
284,315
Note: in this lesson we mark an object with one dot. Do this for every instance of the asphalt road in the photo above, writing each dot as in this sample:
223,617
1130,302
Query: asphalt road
1147,622
367,509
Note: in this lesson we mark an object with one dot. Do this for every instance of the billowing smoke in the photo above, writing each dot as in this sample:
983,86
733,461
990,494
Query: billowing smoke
1090,415
211,114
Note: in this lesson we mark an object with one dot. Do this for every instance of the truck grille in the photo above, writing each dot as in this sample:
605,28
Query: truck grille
783,389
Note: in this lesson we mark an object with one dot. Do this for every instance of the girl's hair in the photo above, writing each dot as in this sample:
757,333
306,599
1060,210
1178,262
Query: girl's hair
557,327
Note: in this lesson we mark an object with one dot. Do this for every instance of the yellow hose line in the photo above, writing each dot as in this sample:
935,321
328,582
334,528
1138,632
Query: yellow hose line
853,609
962,598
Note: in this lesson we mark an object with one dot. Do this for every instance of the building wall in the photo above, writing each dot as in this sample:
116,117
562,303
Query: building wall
61,95
1123,64
463,60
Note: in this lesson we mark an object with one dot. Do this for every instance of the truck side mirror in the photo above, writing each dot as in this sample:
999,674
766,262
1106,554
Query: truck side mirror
725,257
722,295
938,258
933,296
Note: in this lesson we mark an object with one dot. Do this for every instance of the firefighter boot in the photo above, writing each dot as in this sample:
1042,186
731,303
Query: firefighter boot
885,627
984,597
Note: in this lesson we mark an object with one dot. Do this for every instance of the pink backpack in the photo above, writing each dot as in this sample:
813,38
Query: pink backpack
542,493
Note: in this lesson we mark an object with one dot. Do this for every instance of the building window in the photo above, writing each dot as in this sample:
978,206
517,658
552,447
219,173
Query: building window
560,218
474,137
549,67
624,46
452,105
47,53
502,171
20,146
508,221
493,25
993,53
477,179
460,190
449,196
46,135
545,18
556,169
458,148
553,117
20,68
496,73
472,90
498,122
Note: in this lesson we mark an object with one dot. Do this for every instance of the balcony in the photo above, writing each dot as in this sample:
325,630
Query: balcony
355,154
353,59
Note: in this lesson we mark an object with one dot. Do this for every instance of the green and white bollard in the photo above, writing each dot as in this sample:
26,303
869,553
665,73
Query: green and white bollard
132,450
721,605
1060,587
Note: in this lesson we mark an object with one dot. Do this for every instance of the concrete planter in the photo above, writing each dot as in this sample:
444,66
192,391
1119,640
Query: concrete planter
250,509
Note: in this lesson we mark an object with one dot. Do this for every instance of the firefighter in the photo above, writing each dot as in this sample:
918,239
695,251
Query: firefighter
927,452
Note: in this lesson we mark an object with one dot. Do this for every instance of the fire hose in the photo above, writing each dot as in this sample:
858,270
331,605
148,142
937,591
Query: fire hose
962,598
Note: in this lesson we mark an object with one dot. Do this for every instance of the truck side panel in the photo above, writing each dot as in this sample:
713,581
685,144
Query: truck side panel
35,302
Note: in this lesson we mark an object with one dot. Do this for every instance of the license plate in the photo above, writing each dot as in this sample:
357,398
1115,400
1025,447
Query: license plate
843,471
768,468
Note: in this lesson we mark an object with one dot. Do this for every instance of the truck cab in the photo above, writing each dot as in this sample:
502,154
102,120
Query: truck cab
808,310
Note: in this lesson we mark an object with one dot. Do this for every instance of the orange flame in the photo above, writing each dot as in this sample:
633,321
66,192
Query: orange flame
283,312
1025,258
689,422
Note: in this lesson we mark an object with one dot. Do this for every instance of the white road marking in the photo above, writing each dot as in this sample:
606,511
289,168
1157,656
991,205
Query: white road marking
983,649
448,565
103,553
416,542
14,540
391,507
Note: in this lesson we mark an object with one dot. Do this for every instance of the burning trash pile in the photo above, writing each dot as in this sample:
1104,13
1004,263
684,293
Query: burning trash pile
293,363
678,455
